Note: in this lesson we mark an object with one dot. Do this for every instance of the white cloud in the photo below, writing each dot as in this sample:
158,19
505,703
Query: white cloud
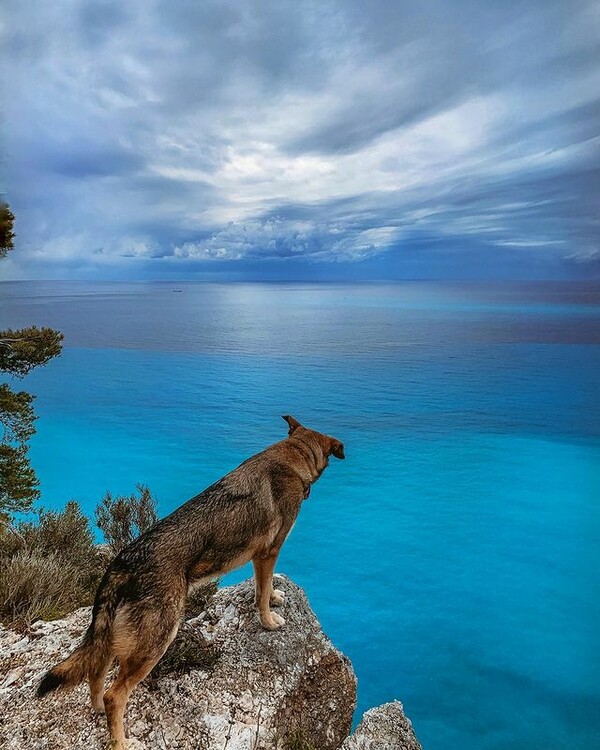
211,131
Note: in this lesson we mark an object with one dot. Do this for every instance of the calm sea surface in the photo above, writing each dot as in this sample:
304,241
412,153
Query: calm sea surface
455,554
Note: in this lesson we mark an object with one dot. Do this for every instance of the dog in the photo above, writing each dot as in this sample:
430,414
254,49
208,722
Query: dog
140,601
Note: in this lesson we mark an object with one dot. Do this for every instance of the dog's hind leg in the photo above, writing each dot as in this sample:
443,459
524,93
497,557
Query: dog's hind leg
131,672
96,680
263,579
139,645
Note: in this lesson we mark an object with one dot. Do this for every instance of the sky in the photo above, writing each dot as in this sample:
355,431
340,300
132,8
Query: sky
302,140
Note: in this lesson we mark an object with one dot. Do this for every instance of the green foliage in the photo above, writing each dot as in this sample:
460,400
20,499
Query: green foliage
22,350
48,566
16,413
297,740
7,220
121,519
199,599
18,482
66,533
34,587
188,651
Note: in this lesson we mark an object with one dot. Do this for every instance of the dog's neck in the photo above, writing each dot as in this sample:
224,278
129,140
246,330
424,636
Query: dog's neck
314,457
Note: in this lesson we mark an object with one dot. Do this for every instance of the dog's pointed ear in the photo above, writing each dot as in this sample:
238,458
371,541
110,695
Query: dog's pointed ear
293,423
337,449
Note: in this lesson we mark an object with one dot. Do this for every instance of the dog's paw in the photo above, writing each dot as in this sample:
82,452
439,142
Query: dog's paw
272,622
277,597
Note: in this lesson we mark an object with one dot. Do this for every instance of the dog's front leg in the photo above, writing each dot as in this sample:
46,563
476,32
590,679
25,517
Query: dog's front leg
263,579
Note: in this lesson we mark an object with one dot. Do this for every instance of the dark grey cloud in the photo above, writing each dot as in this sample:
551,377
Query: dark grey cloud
81,159
99,19
229,134
424,57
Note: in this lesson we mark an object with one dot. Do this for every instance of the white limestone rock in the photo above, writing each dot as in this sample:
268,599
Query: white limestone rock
383,728
263,687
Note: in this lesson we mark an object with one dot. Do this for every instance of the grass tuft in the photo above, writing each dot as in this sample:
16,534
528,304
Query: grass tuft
297,740
189,651
199,599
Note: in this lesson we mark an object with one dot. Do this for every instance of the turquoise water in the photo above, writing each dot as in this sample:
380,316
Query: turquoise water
454,556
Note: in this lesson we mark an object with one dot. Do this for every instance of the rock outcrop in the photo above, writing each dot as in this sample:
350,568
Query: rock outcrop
383,728
259,690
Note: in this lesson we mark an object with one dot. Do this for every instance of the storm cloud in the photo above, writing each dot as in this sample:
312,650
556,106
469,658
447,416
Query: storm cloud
422,138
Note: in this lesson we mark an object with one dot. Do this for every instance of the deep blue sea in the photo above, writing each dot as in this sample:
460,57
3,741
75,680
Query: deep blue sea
455,554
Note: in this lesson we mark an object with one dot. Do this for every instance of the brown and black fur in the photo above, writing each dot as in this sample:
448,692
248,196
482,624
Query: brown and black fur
139,604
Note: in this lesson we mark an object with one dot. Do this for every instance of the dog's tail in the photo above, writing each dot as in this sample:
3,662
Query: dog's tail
70,672
95,650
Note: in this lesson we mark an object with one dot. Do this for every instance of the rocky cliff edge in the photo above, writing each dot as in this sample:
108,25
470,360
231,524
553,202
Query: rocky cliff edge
248,689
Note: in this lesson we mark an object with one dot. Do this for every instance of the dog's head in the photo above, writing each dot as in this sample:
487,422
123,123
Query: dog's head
330,446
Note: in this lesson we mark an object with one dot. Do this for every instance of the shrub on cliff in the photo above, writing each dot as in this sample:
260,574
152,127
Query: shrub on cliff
51,565
35,586
48,566
121,519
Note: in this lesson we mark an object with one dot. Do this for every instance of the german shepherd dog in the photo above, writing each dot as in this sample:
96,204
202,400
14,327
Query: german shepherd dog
139,604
